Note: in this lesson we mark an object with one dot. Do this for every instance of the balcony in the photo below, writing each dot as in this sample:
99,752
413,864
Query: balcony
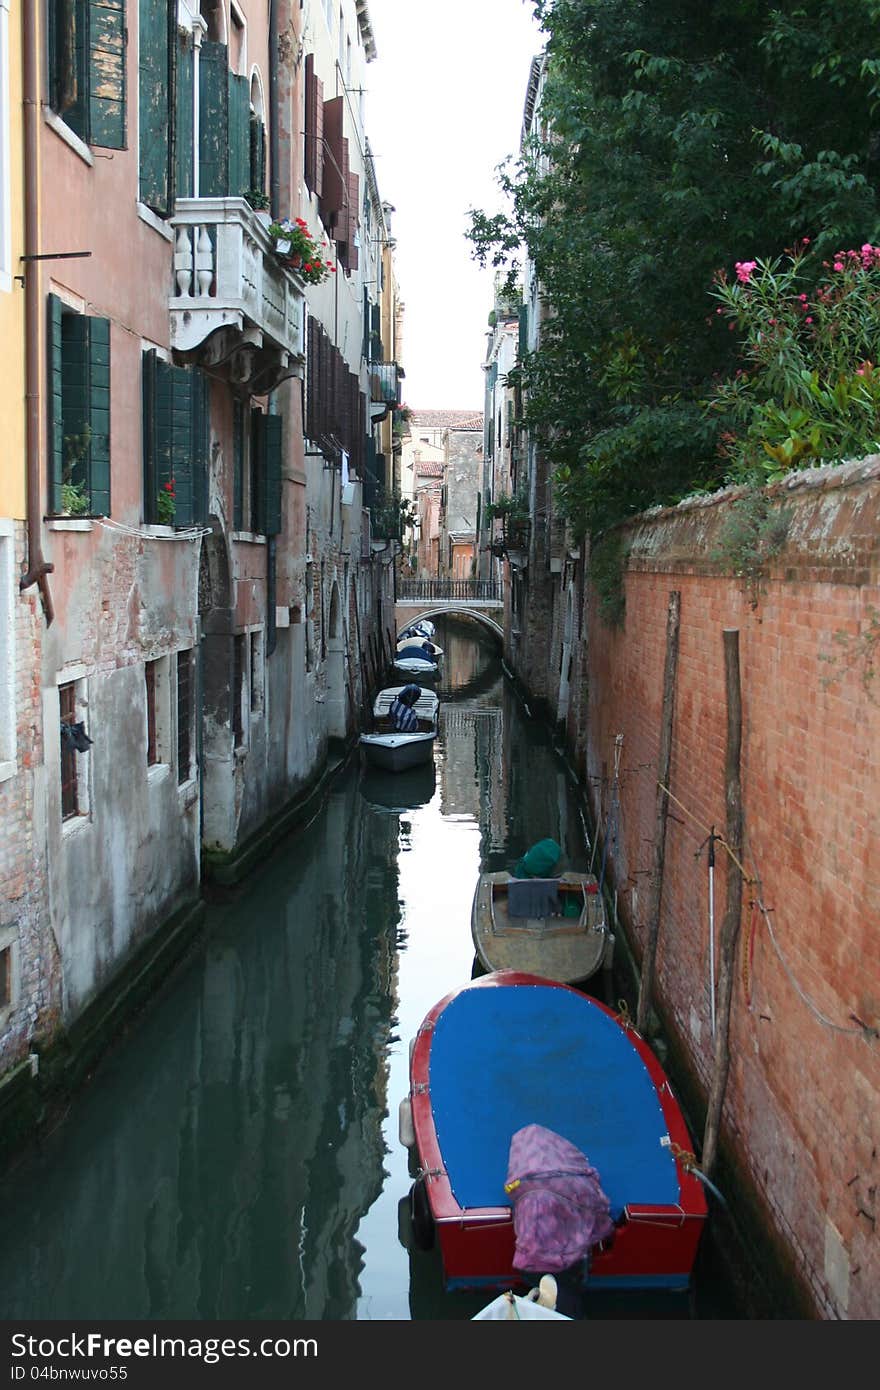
234,308
385,378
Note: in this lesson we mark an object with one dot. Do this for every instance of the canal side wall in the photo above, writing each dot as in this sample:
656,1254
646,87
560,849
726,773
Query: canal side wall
801,1134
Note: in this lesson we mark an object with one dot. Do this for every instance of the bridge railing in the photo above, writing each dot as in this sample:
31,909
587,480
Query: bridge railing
450,590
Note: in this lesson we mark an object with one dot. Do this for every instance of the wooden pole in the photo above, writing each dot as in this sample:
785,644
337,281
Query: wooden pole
733,906
649,958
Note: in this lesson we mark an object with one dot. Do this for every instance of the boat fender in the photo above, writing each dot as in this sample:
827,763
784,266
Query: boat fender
422,1218
405,1129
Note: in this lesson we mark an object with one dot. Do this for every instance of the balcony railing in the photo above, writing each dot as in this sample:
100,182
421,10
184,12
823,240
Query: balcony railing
385,383
457,590
232,303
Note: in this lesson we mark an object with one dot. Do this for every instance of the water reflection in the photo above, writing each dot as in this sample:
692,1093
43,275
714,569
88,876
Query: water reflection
237,1156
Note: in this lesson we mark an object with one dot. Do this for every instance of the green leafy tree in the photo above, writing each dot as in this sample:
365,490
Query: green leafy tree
677,138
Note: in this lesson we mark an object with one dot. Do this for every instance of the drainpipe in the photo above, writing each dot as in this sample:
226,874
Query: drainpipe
38,568
274,150
275,205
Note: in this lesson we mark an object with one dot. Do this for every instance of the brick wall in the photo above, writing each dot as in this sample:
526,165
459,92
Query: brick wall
802,1114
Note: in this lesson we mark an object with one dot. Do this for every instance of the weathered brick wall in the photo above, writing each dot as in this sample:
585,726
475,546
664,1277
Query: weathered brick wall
23,896
802,1113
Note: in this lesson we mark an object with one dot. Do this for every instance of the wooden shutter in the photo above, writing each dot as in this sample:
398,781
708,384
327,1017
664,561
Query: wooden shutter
55,423
107,73
157,53
148,433
271,426
237,465
183,118
201,445
257,152
353,210
313,154
98,338
213,120
238,177
333,187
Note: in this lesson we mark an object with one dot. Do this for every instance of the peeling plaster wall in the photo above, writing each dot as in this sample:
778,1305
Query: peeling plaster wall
802,1112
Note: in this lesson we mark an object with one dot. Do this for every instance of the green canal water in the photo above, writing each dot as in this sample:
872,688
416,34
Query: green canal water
236,1155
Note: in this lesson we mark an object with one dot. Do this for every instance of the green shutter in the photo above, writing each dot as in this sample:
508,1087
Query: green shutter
258,471
173,450
98,482
237,465
238,152
157,53
107,73
523,330
257,152
73,60
55,423
75,399
213,120
148,431
183,142
201,444
272,428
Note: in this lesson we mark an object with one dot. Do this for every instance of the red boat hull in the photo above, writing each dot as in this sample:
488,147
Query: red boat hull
651,1247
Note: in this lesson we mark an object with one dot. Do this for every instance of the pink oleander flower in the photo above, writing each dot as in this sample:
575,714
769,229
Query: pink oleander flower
744,271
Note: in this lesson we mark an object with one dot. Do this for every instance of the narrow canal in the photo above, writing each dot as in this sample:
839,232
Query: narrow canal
237,1154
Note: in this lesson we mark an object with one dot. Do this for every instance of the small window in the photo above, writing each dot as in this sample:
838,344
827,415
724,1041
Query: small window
74,751
79,412
86,67
184,715
257,672
152,742
5,977
238,652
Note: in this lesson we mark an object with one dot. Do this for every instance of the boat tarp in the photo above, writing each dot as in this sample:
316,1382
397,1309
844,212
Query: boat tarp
506,1056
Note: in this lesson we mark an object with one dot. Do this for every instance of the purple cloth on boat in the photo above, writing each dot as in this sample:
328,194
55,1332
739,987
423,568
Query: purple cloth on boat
559,1208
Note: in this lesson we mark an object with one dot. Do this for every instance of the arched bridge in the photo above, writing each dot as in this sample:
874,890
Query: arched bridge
425,598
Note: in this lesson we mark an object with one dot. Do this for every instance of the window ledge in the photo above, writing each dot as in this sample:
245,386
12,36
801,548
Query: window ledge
158,772
250,536
153,220
188,793
153,528
74,825
68,523
70,137
8,769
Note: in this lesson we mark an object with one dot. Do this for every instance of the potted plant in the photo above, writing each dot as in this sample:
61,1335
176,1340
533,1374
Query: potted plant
513,511
295,246
259,201
166,504
74,498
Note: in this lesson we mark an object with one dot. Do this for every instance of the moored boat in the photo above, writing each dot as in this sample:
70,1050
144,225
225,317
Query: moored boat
387,748
513,1050
554,927
414,667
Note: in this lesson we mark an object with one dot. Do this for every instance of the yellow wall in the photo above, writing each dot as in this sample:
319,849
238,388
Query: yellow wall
12,406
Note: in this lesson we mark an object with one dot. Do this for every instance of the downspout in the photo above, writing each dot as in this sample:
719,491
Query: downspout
39,568
275,205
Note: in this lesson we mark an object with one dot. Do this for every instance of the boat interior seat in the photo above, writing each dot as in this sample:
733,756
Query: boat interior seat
533,897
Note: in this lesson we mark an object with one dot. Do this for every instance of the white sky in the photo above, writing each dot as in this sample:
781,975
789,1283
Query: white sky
444,107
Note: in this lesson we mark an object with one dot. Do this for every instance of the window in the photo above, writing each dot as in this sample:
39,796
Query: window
74,752
239,451
185,709
79,412
265,473
8,970
257,669
224,126
86,67
152,741
175,439
238,691
158,51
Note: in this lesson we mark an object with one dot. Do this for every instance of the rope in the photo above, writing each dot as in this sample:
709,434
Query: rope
863,1030
623,1015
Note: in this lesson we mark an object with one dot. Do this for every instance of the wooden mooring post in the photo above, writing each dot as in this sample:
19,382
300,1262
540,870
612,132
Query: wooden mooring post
733,905
649,956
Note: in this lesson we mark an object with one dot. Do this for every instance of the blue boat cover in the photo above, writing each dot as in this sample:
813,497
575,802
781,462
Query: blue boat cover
505,1056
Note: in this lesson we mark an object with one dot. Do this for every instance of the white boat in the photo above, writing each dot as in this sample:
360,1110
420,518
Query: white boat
386,747
423,626
433,649
416,668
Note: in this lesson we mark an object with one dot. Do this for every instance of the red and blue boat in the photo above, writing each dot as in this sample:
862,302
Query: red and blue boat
509,1050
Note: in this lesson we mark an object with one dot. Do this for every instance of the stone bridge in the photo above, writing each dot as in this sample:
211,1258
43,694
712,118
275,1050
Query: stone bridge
426,598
